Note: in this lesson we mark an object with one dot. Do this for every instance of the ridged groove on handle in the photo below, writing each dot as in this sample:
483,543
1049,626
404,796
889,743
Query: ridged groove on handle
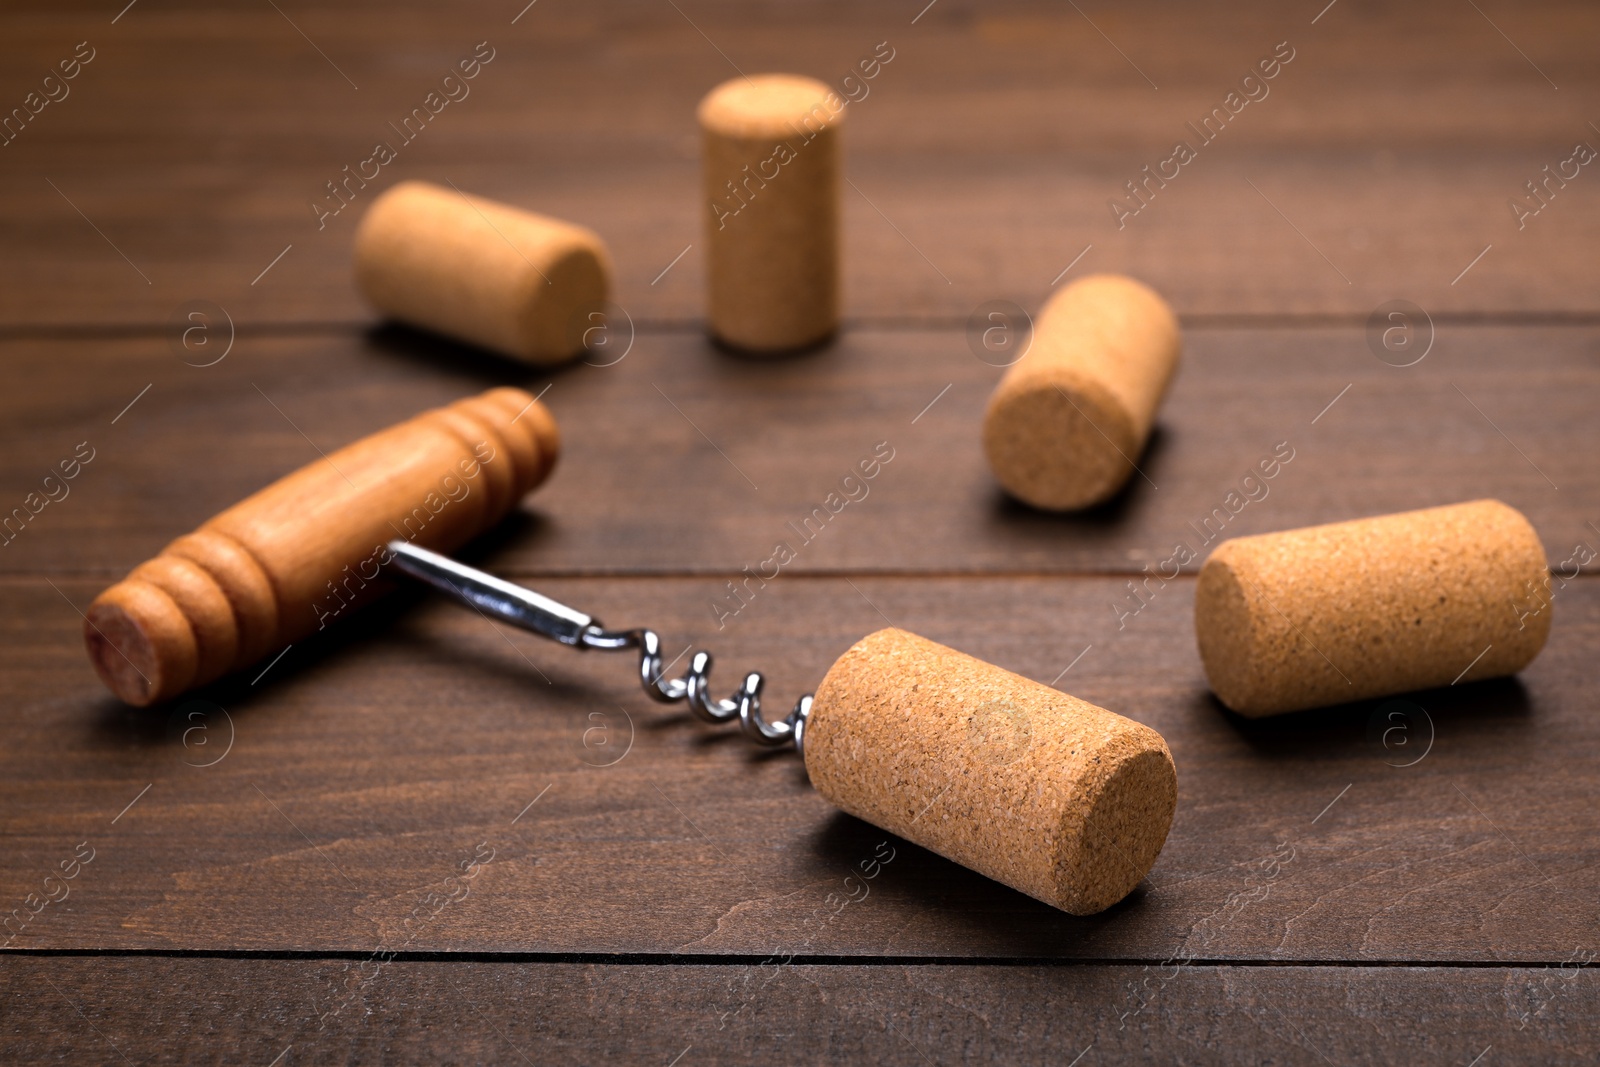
301,552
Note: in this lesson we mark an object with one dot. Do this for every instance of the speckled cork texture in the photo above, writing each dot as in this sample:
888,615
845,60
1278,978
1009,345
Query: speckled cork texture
1055,797
1069,420
771,185
1352,610
514,282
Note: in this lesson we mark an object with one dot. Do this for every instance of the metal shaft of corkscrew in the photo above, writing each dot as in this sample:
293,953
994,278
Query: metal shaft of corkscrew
528,610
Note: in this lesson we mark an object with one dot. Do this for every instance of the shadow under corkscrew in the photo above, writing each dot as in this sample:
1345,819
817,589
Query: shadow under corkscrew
528,610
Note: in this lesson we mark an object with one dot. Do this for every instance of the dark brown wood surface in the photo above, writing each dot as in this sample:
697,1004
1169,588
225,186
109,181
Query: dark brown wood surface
362,771
360,1010
198,137
680,461
427,839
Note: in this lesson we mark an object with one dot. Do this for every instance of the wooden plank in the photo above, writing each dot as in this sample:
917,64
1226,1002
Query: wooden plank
188,1010
358,776
950,237
984,156
680,459
422,838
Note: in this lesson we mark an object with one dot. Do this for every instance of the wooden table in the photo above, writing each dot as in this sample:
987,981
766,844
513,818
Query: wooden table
430,840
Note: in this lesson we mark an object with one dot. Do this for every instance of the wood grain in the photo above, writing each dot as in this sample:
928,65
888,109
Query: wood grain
681,459
362,772
420,783
983,159
761,1011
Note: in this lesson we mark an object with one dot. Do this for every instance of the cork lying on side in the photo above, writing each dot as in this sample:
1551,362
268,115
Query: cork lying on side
1067,423
520,284
1055,797
1327,614
771,183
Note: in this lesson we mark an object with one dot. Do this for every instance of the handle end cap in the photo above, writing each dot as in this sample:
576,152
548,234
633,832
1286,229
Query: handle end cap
140,643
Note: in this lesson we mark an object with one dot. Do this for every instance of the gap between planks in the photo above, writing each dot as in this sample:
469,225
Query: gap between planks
512,570
744,959
883,324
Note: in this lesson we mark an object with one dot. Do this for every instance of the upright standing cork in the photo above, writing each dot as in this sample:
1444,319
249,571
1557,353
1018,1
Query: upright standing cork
309,548
771,179
1307,618
1057,798
1068,420
517,283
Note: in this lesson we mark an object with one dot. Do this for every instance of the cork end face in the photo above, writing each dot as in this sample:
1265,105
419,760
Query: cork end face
565,309
140,644
368,244
381,234
1059,443
1223,630
1129,811
1525,559
769,106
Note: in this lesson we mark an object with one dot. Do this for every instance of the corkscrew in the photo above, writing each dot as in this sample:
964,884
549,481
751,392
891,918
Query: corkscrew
537,613
1055,797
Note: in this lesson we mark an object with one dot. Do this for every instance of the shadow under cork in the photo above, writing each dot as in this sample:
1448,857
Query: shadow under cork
1104,517
1470,711
767,355
436,352
978,913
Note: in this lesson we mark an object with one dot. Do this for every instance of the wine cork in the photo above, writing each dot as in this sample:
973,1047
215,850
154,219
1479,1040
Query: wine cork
771,182
485,273
309,549
1053,796
1352,610
1068,421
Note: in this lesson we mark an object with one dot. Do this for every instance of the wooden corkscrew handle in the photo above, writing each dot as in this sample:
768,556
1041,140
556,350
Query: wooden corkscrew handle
308,548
